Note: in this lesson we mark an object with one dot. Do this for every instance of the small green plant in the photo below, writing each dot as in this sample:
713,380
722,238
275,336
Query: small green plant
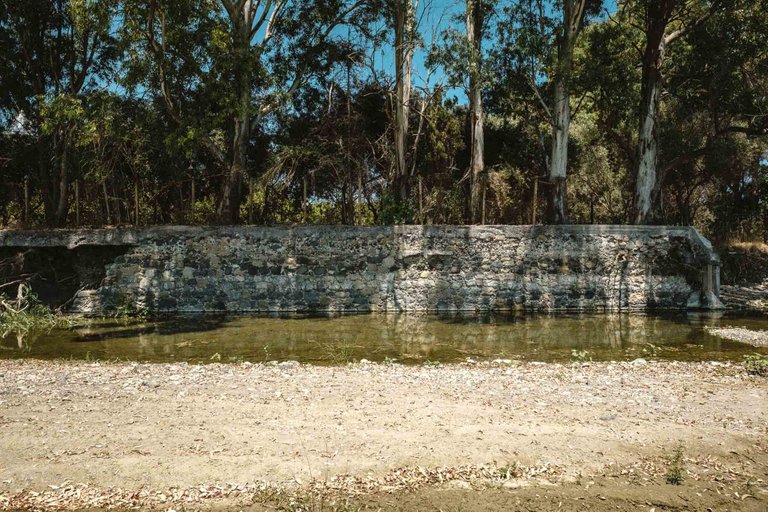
756,364
338,353
125,311
26,313
431,364
651,350
508,471
389,361
674,475
580,356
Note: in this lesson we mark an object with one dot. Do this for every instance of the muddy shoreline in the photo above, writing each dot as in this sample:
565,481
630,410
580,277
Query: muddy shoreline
76,434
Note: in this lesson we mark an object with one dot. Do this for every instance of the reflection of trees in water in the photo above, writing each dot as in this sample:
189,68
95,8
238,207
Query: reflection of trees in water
17,341
444,337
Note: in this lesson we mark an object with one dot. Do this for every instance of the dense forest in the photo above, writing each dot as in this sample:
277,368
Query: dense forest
143,112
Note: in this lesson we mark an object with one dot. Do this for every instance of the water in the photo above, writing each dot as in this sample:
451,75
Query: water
410,339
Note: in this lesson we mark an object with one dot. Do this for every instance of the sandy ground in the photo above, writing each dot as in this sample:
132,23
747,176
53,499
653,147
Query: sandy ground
531,437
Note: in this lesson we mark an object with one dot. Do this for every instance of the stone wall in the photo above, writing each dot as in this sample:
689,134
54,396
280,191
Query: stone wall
400,268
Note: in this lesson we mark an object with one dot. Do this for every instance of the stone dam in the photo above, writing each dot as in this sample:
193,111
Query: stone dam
360,269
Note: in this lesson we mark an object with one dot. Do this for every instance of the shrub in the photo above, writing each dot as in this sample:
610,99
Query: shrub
756,364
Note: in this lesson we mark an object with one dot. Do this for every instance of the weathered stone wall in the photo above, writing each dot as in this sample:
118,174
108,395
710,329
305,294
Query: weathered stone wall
401,268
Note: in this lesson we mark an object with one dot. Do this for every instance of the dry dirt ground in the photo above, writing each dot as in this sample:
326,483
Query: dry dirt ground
594,436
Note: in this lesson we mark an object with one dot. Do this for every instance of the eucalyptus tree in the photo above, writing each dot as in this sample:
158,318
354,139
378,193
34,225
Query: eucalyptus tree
461,55
664,22
53,52
223,66
475,20
538,39
713,125
403,18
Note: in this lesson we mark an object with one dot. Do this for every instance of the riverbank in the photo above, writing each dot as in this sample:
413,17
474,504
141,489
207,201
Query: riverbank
218,436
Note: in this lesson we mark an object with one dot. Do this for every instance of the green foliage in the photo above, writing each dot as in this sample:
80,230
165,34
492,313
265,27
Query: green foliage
756,364
675,472
116,112
393,211
581,356
26,314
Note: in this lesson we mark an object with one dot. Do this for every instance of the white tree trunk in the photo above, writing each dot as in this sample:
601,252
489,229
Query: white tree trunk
647,181
573,17
474,15
647,156
558,166
404,19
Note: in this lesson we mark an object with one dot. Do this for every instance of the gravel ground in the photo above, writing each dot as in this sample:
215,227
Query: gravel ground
740,334
75,435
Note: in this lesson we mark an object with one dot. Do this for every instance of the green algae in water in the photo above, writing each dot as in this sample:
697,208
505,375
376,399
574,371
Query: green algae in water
405,338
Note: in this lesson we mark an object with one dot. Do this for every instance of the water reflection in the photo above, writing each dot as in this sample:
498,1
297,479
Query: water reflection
404,337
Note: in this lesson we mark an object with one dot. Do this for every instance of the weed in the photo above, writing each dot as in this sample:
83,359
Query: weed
756,364
651,350
580,356
389,361
338,354
508,471
674,475
26,313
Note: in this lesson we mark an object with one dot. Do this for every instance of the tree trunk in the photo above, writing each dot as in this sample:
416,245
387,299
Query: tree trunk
62,203
573,16
474,14
228,210
404,19
26,200
77,203
765,224
559,158
241,22
647,182
135,199
106,201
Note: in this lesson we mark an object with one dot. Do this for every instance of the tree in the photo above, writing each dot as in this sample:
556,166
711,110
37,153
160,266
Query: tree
460,54
664,22
53,53
539,46
571,26
475,15
240,59
404,20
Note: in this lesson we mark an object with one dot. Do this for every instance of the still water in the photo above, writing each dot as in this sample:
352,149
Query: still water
406,338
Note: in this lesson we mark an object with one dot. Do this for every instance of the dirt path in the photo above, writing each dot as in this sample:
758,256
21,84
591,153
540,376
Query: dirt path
295,427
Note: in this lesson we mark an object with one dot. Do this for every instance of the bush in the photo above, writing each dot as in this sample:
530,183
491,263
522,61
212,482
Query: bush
756,364
26,313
